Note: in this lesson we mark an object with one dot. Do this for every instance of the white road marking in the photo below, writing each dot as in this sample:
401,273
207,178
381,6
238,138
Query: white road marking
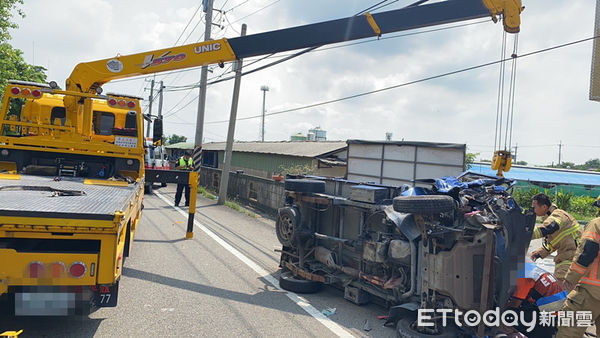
300,301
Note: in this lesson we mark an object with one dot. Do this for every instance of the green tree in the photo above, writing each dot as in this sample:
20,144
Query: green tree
593,164
470,159
6,6
521,163
12,64
172,139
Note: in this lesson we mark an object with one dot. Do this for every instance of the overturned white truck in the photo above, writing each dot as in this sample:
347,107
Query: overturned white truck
448,243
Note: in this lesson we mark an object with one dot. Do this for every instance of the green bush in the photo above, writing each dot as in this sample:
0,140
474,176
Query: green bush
583,205
578,206
563,200
523,196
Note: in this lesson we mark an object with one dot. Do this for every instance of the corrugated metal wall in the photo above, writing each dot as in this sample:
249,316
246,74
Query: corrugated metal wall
264,162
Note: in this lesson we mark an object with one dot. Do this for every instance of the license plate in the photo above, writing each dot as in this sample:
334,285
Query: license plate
44,304
106,295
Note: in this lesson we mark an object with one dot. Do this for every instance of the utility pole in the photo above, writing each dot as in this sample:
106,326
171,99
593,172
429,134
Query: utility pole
208,5
150,108
559,151
265,89
160,100
232,117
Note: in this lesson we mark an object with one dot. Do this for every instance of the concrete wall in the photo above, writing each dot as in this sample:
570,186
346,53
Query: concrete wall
261,193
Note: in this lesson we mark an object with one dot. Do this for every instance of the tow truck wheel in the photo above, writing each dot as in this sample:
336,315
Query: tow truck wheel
404,329
424,204
289,282
310,186
286,226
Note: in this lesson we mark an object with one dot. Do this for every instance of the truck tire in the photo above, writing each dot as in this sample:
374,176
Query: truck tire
148,189
424,204
287,224
299,185
404,329
289,282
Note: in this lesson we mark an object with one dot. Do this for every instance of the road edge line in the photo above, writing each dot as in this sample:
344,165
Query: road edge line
298,300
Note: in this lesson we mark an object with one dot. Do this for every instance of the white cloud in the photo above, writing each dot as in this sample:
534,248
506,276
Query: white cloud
551,103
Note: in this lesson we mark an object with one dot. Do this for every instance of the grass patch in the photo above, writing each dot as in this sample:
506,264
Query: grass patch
202,190
238,208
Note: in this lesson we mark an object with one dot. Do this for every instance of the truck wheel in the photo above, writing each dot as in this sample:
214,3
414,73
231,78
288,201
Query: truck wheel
148,189
299,185
162,185
289,282
286,226
424,204
404,329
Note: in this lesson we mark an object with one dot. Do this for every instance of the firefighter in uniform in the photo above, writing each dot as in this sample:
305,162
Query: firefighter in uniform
185,162
585,276
560,231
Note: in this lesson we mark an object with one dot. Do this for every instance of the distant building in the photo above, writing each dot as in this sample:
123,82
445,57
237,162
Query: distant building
316,134
298,138
265,159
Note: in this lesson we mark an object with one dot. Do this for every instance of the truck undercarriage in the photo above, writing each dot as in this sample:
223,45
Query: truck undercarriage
458,245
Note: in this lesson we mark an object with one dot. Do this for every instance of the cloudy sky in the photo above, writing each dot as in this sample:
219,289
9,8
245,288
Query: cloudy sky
551,104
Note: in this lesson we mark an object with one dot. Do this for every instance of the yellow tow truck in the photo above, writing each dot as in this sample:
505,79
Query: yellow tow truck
72,161
71,190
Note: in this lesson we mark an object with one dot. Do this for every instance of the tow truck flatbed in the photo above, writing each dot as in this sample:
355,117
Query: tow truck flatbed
41,196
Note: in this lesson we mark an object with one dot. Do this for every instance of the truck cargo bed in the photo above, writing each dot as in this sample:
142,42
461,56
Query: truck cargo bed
39,196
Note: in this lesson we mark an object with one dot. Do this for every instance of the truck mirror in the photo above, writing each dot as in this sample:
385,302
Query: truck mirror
157,131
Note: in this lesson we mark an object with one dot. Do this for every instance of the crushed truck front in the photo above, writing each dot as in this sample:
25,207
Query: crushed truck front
71,190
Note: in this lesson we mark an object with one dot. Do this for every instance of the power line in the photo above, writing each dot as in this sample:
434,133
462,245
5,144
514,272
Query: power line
410,82
260,9
312,49
236,6
186,26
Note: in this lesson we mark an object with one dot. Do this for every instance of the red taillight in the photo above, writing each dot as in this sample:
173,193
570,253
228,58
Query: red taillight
26,92
15,91
36,270
58,270
131,104
112,102
122,103
77,269
36,93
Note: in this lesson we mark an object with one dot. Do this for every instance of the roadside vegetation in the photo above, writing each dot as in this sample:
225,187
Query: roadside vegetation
579,207
202,190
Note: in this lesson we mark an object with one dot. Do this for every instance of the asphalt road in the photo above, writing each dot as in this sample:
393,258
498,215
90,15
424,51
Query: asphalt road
223,282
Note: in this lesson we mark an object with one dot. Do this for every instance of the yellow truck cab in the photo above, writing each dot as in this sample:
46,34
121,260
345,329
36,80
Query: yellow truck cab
71,190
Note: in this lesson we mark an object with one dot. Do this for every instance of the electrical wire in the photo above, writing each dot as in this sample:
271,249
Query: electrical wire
411,82
190,21
260,9
236,6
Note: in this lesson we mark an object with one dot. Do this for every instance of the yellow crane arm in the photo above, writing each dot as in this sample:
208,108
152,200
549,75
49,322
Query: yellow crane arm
88,76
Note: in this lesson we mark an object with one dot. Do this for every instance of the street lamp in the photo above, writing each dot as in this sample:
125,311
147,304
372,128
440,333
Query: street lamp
265,89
